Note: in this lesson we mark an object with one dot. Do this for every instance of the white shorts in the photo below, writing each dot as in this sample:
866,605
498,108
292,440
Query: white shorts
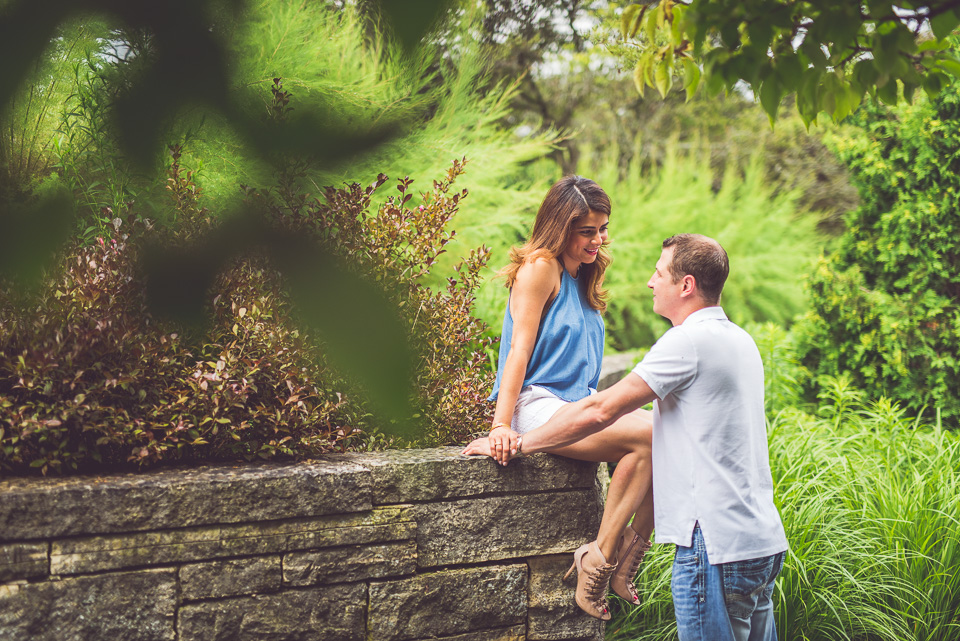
535,406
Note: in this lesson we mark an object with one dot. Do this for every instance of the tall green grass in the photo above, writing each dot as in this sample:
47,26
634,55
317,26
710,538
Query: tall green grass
871,505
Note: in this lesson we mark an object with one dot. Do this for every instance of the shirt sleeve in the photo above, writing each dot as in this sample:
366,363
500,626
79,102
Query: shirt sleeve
671,363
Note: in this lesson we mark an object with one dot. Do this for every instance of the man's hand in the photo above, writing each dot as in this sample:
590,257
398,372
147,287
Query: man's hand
503,444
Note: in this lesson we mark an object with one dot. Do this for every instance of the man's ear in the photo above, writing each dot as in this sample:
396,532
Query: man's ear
689,286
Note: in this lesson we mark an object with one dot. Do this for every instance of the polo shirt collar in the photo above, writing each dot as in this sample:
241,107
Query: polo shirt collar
714,312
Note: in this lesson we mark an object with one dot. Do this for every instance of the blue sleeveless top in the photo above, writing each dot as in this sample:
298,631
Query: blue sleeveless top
569,348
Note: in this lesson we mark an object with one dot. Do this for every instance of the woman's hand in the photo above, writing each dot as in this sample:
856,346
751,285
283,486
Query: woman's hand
478,447
500,445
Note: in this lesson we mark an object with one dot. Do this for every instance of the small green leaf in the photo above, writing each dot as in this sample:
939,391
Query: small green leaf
714,83
934,82
885,51
677,24
771,91
931,45
888,92
845,25
827,100
730,33
638,77
950,65
807,96
790,70
760,30
908,89
865,74
851,97
650,26
691,77
810,47
906,39
944,24
628,18
663,78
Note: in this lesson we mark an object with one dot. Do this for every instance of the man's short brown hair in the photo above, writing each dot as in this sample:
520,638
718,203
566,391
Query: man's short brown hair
704,259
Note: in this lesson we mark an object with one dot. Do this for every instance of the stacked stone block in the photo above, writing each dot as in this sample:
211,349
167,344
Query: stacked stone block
393,546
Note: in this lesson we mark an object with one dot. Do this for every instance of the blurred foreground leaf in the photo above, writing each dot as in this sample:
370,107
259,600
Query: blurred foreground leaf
30,234
412,19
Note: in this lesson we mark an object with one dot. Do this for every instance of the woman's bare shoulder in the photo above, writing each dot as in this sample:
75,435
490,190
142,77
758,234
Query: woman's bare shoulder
539,269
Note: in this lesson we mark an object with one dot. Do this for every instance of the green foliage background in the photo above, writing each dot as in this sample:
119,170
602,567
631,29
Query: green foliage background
885,302
868,493
869,504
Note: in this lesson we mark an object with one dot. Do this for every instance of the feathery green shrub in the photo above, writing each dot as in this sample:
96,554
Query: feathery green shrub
442,96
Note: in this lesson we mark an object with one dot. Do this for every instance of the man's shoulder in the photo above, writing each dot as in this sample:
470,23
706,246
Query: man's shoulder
675,338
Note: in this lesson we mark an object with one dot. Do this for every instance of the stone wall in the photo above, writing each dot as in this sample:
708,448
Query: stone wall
393,546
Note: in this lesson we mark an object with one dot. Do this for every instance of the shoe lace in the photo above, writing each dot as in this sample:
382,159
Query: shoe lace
635,559
597,582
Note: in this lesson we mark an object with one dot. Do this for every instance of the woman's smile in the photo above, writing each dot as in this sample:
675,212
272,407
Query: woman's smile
586,237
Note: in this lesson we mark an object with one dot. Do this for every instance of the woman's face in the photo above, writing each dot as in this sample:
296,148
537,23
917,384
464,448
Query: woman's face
583,244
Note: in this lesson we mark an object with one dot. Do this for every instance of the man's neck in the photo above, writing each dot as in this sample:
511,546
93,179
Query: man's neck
685,313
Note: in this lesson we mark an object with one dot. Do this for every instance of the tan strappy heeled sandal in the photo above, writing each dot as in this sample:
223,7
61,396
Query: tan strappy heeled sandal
593,577
630,554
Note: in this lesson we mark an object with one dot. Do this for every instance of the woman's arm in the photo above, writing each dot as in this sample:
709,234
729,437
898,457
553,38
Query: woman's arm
536,285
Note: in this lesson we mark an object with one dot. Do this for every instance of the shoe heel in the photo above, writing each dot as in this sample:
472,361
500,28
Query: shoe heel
577,554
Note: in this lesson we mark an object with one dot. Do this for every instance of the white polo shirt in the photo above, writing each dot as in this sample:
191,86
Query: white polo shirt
710,458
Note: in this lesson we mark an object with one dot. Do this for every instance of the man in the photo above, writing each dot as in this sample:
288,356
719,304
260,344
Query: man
713,492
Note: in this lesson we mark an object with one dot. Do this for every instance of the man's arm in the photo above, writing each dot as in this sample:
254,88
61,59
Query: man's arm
575,421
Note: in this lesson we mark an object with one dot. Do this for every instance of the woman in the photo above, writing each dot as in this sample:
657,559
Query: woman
550,354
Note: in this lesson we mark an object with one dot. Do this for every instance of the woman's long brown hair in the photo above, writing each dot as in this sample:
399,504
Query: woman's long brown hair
569,200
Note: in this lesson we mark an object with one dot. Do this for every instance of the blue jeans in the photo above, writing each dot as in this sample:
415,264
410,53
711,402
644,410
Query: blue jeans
725,602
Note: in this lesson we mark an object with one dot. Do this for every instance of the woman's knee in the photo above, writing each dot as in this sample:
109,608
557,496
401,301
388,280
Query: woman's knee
637,434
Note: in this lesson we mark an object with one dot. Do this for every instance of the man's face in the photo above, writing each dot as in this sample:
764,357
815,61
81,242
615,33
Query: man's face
666,293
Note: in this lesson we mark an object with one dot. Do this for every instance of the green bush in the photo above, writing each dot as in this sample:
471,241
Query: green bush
885,304
88,379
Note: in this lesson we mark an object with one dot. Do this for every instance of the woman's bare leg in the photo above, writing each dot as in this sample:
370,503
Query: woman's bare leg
628,444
